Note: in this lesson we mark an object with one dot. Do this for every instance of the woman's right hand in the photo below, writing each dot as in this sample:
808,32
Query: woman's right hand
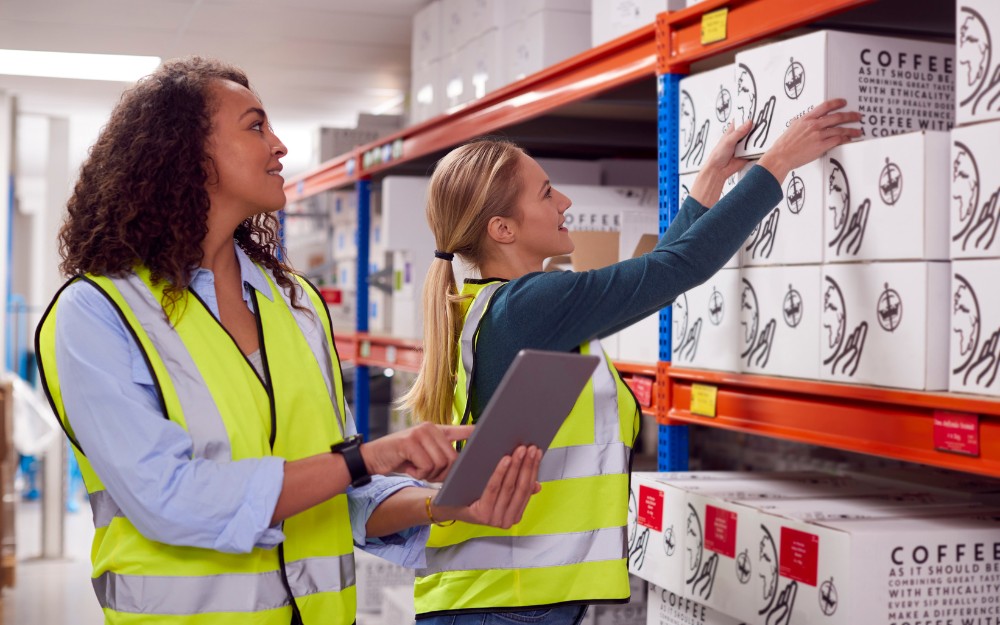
424,451
809,136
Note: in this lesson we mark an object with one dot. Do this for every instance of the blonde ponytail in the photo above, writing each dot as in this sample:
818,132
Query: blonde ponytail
470,185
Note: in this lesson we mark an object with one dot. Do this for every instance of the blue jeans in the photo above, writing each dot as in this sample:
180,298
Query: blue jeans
561,615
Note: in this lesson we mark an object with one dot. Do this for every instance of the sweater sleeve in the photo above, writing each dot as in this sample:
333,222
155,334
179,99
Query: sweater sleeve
561,310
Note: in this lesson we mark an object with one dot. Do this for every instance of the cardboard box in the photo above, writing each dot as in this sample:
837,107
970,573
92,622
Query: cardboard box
792,233
894,570
426,92
883,199
975,191
426,44
975,327
397,605
779,321
541,40
373,576
684,183
883,324
977,31
452,82
482,64
705,324
899,85
611,19
657,525
705,108
666,607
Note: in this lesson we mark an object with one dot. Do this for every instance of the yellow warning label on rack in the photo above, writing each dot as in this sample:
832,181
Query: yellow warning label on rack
703,399
713,26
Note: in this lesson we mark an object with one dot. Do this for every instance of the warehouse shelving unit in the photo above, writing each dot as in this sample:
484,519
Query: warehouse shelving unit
885,422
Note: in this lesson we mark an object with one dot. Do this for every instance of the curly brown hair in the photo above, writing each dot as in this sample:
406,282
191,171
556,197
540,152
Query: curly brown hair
141,196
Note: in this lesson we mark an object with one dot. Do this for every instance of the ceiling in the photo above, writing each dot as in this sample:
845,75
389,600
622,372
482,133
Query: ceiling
313,62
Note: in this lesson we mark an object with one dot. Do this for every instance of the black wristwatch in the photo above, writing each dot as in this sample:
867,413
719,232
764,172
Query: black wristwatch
350,449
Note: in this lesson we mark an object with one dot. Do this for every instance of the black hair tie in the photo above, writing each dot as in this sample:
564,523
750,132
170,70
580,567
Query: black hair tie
443,255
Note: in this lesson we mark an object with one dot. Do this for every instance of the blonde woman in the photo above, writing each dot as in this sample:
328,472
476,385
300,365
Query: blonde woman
494,207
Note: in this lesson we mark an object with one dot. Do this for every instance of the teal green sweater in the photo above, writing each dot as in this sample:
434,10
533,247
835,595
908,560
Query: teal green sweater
560,310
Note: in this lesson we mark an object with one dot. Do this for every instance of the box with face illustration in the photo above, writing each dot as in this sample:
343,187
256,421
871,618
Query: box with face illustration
975,327
975,191
792,233
884,199
705,324
885,324
898,85
977,62
779,320
704,109
656,528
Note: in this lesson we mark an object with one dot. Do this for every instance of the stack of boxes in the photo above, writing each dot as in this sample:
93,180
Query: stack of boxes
811,548
859,237
974,301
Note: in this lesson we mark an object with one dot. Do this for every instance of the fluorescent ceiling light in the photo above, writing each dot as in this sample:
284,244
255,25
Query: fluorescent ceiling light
114,67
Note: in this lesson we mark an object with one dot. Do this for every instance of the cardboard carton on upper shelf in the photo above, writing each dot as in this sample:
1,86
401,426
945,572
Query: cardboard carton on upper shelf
884,199
977,63
705,324
779,320
426,44
705,108
975,191
541,40
684,184
426,92
611,19
898,85
482,64
974,304
792,233
885,324
666,607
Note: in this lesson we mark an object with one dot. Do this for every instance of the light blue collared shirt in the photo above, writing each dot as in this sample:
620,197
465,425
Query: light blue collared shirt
145,461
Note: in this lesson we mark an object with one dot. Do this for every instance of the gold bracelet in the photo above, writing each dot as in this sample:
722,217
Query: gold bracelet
427,504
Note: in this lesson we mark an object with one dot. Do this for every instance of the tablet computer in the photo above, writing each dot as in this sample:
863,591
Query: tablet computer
533,399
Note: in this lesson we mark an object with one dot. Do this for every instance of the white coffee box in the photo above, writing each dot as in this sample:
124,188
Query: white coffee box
397,605
453,86
657,517
975,327
684,184
705,324
899,85
890,570
792,233
374,575
704,110
611,19
426,43
884,199
482,65
543,39
426,92
975,191
666,607
779,320
977,63
884,324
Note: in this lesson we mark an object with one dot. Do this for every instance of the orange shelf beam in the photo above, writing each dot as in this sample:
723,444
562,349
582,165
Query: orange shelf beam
883,422
748,21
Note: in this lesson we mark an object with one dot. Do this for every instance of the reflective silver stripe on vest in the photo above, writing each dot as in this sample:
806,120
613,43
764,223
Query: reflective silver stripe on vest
563,463
606,420
204,423
525,552
103,508
320,347
237,592
472,319
328,574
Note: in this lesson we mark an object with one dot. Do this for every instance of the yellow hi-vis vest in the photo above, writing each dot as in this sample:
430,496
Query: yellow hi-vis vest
207,386
570,546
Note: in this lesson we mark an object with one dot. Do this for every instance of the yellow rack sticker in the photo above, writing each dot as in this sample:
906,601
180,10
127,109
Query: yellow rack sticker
703,398
713,26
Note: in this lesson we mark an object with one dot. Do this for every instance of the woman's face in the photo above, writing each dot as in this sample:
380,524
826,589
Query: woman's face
540,222
245,172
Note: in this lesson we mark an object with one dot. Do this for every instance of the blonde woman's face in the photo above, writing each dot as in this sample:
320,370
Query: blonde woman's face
541,214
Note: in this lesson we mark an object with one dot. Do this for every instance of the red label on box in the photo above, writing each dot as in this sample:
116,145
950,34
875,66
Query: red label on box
957,432
799,557
643,389
650,512
720,531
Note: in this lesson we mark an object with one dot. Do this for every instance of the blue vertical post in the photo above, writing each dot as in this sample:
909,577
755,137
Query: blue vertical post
362,384
673,439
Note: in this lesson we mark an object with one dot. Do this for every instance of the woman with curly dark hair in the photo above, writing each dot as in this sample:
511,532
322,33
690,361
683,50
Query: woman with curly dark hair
196,376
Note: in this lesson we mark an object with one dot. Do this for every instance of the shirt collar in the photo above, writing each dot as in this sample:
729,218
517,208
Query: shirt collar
250,274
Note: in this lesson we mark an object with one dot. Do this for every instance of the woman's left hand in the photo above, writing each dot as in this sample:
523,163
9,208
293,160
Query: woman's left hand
512,484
